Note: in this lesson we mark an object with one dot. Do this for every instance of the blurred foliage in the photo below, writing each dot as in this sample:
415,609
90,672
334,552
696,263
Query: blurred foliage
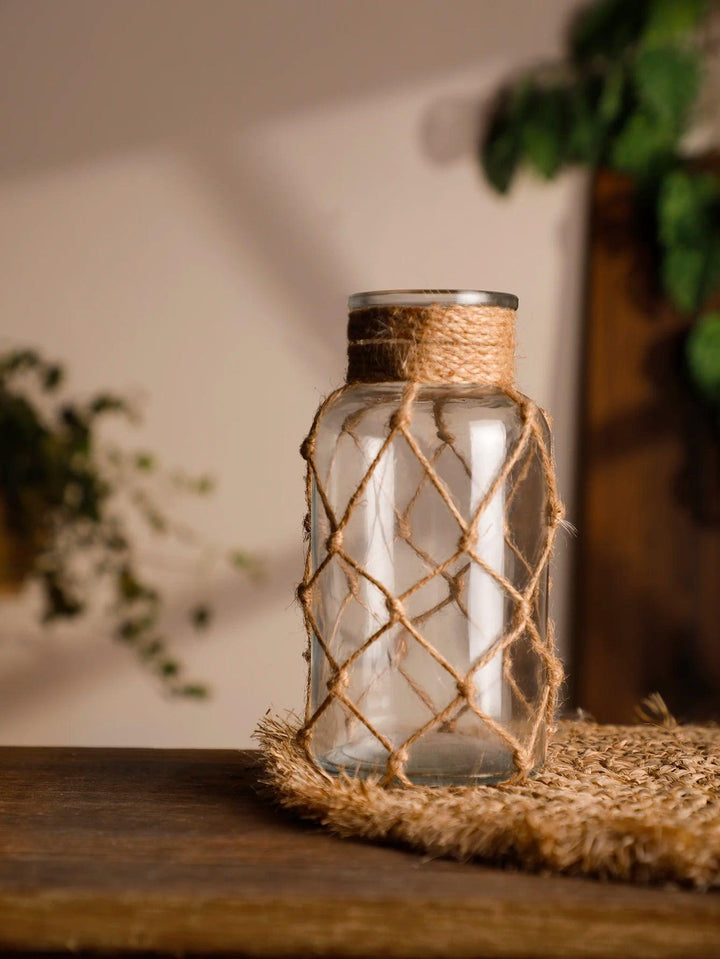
624,99
62,517
703,351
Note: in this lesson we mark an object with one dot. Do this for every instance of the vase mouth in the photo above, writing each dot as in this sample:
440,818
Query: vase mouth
379,298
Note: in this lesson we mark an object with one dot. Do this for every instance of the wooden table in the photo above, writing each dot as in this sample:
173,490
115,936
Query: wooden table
172,851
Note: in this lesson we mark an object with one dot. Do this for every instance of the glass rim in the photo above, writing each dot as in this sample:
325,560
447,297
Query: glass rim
359,301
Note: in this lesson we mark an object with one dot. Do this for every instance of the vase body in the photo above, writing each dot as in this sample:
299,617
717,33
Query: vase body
428,609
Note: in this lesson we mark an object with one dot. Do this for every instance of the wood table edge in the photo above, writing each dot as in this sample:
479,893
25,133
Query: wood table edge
75,923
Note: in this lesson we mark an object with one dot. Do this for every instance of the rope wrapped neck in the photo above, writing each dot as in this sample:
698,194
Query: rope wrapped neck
432,344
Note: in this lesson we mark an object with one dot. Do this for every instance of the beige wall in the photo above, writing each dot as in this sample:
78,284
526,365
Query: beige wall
188,192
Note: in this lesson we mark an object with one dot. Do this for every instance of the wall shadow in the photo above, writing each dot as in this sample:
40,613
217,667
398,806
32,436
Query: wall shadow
65,667
85,79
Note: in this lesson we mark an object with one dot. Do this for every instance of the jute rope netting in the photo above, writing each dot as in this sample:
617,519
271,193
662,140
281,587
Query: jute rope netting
418,346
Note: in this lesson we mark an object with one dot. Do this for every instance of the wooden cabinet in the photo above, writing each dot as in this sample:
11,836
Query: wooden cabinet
648,598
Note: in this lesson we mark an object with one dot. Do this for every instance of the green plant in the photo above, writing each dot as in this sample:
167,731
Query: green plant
624,98
66,505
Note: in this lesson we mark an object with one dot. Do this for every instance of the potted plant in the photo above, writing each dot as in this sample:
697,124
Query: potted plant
67,500
624,99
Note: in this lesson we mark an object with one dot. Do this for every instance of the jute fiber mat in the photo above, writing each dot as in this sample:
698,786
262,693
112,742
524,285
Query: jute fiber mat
637,803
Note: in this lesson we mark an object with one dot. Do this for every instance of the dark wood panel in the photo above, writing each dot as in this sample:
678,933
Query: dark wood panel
649,533
171,851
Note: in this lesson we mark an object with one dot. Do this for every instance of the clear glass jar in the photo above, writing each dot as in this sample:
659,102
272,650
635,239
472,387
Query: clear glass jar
382,682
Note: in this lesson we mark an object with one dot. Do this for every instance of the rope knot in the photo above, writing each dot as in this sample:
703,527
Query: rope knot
302,592
555,513
334,542
397,760
399,419
524,608
467,541
523,764
307,448
340,679
404,528
394,608
455,587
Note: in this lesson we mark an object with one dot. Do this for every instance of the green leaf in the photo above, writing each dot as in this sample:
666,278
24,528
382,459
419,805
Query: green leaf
152,649
156,520
611,99
703,355
116,542
604,30
196,485
683,271
17,361
691,274
72,417
667,81
204,485
130,630
644,146
531,123
145,462
200,616
128,585
52,377
689,228
595,103
108,403
586,131
671,21
192,691
244,561
168,668
131,590
60,601
501,150
544,132
688,208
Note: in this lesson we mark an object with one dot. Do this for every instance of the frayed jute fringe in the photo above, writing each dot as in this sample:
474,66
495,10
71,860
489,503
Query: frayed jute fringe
636,803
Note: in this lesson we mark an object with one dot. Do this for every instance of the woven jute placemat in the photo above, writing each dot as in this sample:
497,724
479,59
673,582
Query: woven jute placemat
637,803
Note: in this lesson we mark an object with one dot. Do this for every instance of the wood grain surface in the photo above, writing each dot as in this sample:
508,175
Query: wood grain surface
649,517
173,852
